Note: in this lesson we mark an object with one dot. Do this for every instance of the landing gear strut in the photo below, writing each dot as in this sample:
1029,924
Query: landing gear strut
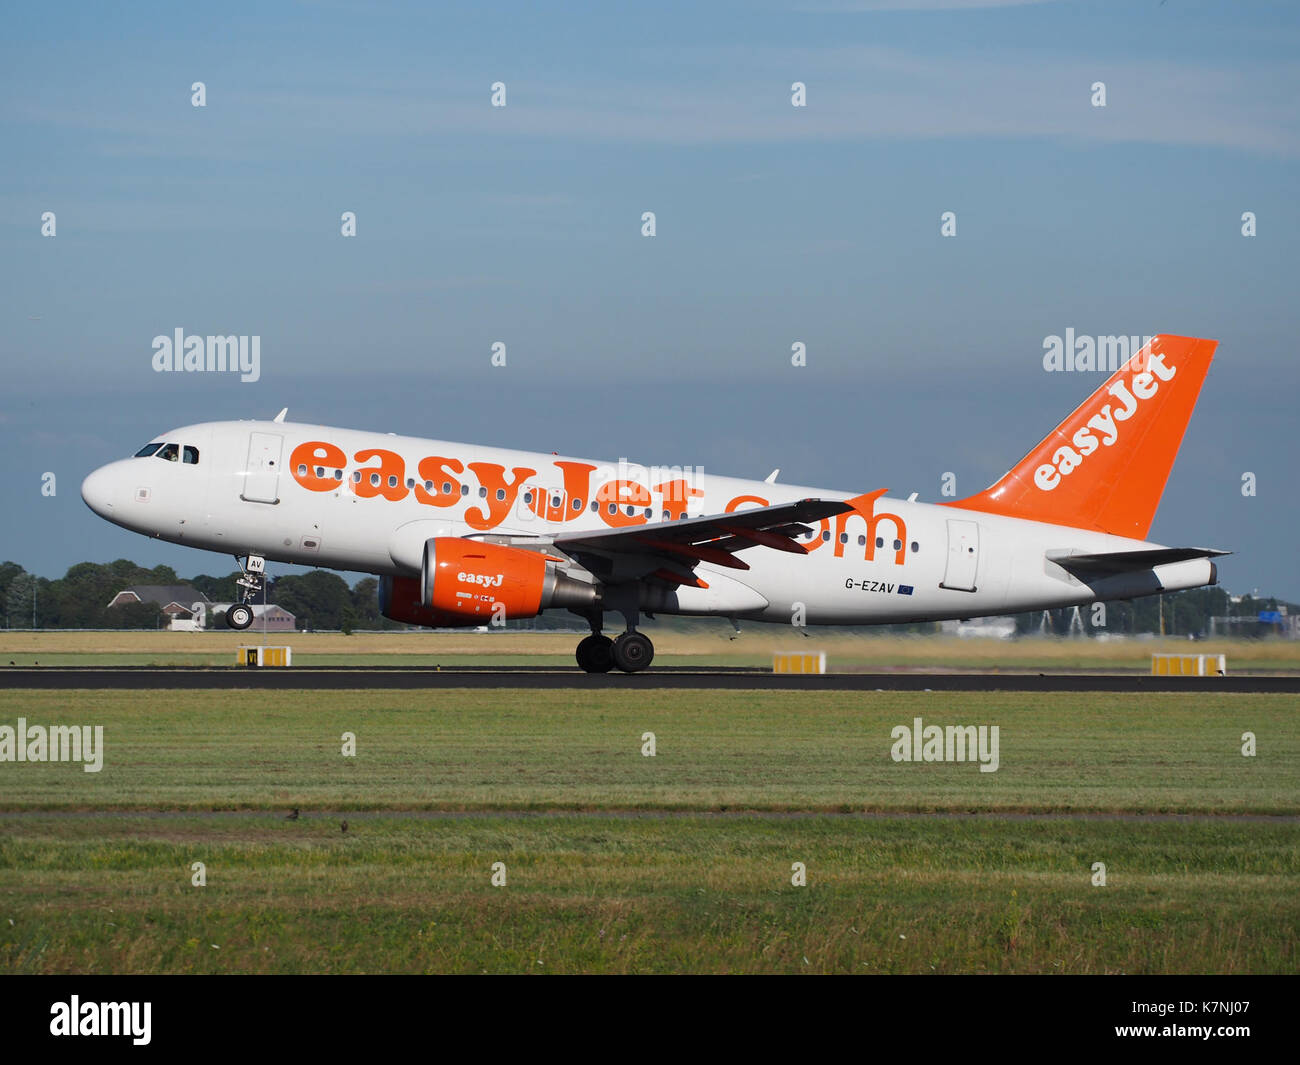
253,583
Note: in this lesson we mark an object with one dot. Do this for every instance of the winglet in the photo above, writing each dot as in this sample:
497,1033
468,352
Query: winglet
1105,466
280,417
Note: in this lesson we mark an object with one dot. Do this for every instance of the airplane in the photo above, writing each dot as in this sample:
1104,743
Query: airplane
466,535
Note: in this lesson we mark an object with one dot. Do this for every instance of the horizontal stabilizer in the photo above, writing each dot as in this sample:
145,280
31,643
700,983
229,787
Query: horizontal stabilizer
1127,561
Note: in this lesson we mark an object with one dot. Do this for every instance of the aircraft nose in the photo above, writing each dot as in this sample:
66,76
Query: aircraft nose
97,491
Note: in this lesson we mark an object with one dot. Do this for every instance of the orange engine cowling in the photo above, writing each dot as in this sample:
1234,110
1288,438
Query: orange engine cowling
471,579
468,582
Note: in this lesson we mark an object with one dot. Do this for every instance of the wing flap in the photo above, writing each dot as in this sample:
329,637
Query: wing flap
642,550
745,527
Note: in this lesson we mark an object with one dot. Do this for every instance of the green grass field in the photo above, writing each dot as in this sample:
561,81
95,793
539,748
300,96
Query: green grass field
645,894
716,750
623,863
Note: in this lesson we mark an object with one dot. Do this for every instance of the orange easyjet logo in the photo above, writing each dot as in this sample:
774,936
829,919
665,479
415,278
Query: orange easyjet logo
320,466
1102,429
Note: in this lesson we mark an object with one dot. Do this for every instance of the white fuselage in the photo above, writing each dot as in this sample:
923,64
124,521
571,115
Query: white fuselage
248,494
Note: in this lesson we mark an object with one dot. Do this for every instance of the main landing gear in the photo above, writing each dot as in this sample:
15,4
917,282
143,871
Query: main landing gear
631,652
253,583
596,653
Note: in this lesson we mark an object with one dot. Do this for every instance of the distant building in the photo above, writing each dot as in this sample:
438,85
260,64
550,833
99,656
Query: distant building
183,605
172,599
1277,622
266,618
187,609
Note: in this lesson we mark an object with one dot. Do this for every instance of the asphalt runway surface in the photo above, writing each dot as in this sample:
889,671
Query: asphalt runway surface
317,678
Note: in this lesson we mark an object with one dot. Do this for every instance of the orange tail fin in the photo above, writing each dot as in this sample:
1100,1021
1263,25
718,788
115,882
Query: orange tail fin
1106,465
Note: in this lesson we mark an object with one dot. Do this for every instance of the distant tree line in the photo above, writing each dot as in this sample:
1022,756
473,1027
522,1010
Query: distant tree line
1179,614
322,600
80,598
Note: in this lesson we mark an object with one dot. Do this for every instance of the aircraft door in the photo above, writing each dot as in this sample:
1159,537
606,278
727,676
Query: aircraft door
963,556
262,474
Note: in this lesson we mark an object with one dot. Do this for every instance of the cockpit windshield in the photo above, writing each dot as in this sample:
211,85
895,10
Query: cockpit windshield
186,453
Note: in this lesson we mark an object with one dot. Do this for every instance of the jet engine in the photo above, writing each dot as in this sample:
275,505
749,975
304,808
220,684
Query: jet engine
469,582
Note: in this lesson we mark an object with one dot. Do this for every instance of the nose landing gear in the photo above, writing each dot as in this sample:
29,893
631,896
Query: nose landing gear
239,617
253,583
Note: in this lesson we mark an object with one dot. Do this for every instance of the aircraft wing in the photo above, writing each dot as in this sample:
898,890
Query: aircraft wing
1127,561
641,550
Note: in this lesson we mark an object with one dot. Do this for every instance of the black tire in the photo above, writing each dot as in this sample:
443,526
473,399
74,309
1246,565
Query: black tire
595,654
239,617
633,652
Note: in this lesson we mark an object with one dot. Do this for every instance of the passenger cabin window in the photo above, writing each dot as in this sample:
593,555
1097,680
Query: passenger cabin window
190,456
148,450
170,452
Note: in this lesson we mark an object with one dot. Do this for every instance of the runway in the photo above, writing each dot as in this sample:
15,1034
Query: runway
234,678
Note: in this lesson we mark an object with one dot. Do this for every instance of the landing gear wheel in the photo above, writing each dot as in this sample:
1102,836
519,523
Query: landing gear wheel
239,616
633,652
594,654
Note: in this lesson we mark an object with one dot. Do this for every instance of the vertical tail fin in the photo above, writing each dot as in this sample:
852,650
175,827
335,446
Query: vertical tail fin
1106,465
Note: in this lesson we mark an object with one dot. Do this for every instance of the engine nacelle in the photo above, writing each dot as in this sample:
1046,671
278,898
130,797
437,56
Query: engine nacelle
469,582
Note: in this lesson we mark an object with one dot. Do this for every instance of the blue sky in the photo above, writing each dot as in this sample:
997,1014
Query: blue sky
774,225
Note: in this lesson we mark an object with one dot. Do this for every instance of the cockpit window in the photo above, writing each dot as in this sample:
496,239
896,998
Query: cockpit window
170,452
190,455
147,450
